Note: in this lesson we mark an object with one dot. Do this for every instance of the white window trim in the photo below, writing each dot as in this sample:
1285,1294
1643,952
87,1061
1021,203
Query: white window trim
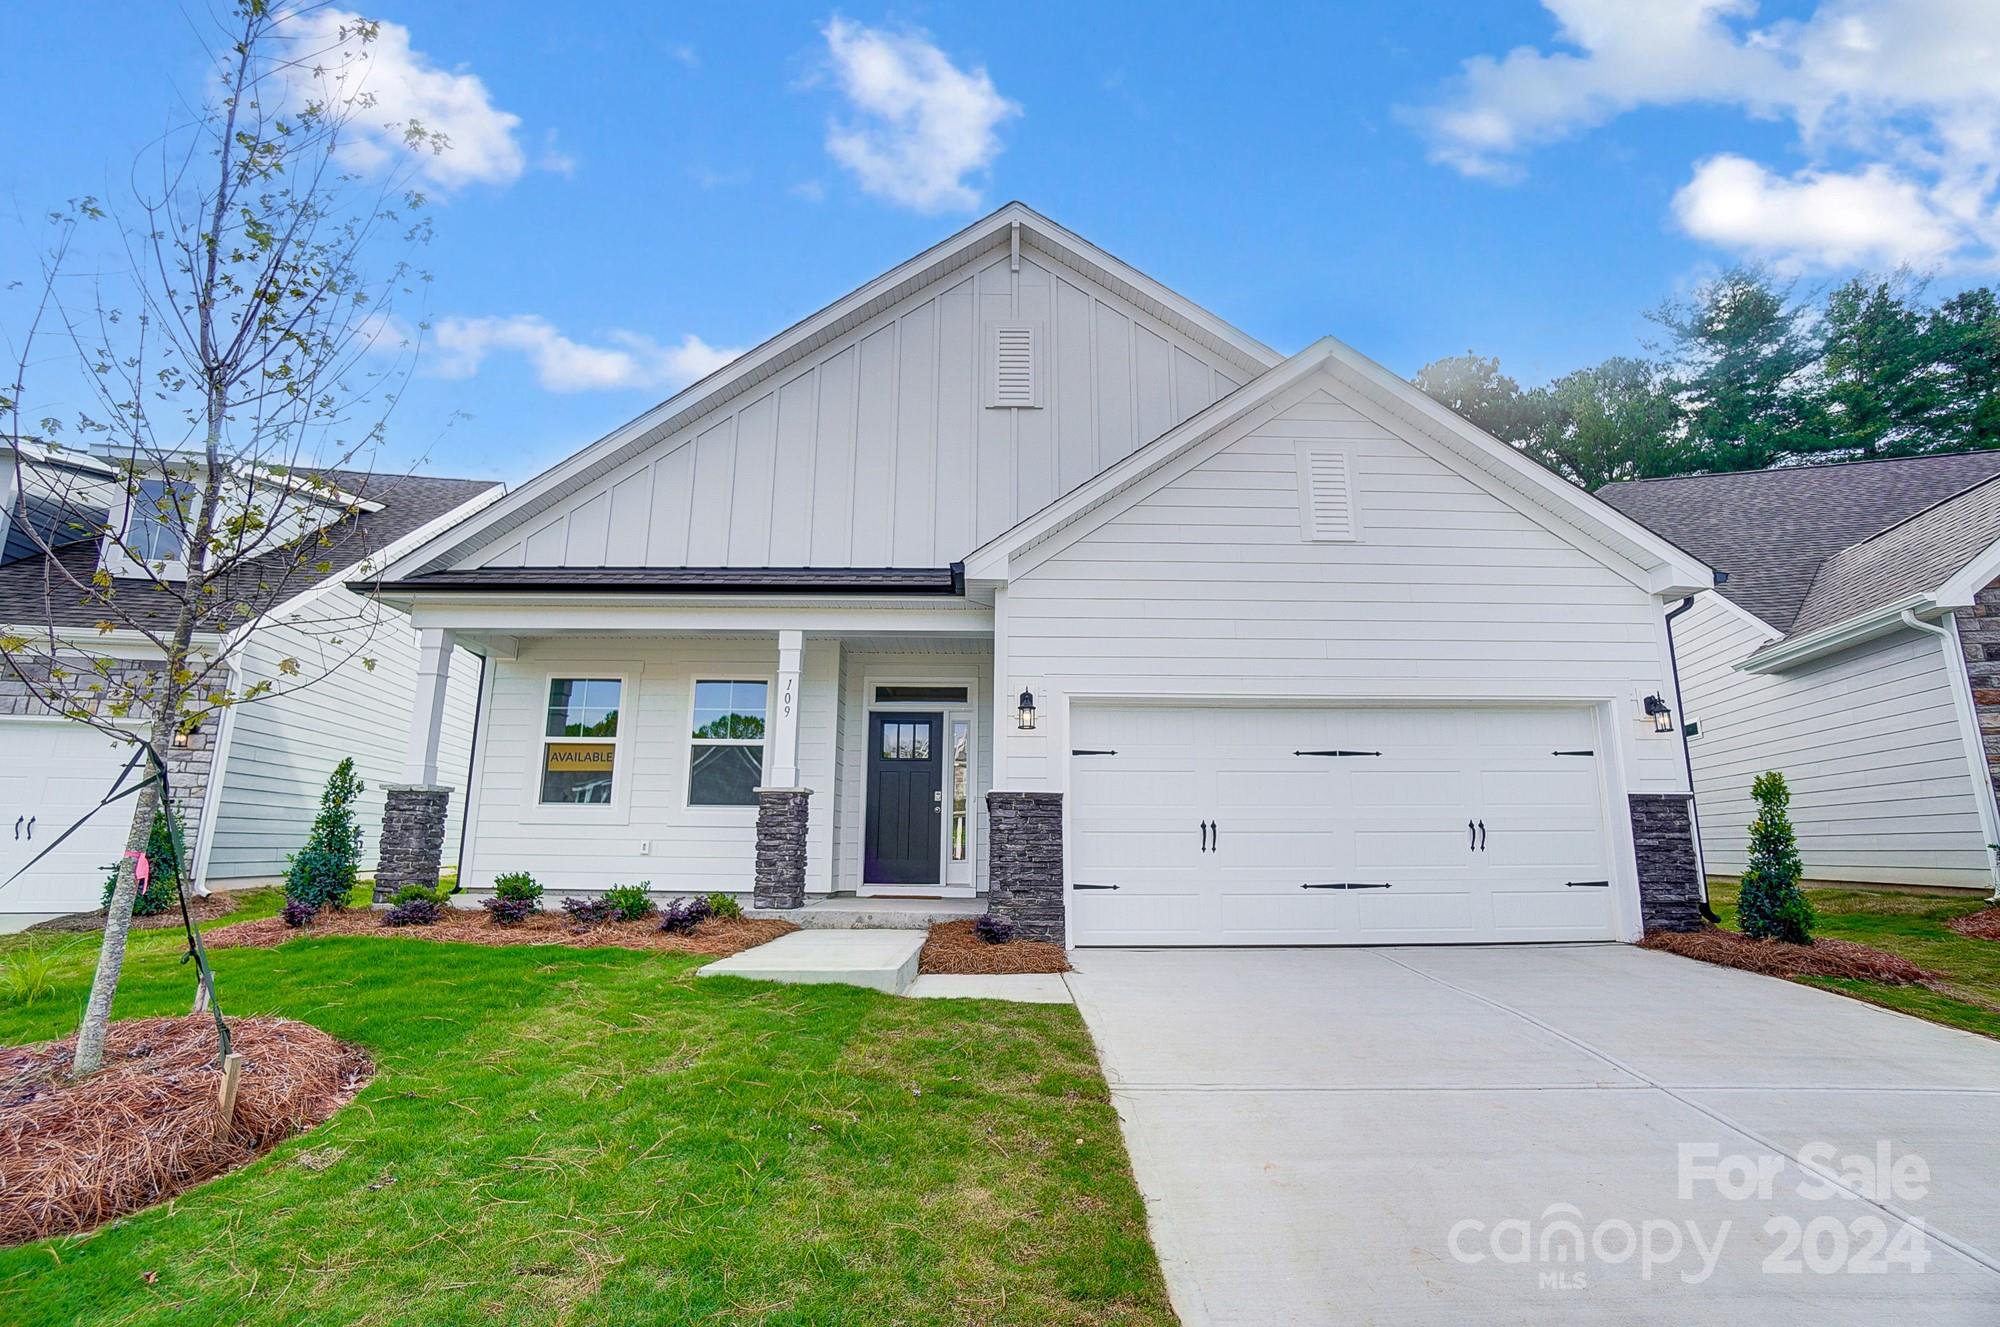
119,562
688,740
967,883
618,811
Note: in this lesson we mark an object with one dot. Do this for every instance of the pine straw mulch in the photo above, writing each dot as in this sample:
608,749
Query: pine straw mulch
953,949
144,1128
1981,925
715,938
1776,958
200,908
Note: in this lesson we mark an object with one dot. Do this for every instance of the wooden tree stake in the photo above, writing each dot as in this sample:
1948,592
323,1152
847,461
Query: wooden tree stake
232,1076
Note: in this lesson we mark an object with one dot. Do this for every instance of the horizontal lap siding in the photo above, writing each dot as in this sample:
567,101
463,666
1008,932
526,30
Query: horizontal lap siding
283,748
1205,585
882,450
693,849
1869,743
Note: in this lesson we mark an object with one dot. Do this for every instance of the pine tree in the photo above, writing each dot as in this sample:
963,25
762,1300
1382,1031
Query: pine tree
322,874
1771,905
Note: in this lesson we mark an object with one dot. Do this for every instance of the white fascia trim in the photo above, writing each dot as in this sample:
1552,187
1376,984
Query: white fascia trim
1745,616
1962,590
989,232
1840,636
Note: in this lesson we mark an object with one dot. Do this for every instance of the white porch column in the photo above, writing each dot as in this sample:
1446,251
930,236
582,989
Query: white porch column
434,647
784,770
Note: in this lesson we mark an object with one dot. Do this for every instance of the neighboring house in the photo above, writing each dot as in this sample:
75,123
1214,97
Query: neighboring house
1855,647
247,784
1014,573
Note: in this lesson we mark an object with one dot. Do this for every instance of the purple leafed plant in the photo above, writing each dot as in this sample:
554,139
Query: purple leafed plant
994,930
508,911
587,911
417,912
684,914
297,913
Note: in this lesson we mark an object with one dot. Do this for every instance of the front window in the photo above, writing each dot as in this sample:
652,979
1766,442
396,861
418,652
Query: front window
580,740
726,746
153,528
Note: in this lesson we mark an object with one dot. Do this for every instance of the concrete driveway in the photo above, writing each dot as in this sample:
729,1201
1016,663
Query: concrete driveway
1426,1135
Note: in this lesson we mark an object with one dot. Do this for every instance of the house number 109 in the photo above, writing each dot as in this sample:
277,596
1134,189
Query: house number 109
786,700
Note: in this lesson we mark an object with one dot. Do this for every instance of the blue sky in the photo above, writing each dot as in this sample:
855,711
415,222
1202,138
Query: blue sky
634,175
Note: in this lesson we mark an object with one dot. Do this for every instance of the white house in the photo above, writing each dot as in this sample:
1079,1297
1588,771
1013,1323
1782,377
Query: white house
248,784
1014,573
1855,647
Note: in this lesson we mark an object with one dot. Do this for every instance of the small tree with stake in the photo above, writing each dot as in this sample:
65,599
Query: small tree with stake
229,343
1771,905
322,873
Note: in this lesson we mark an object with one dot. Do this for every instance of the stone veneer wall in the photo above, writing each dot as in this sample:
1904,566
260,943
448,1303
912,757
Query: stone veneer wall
188,767
1669,879
412,842
783,815
1979,635
1025,862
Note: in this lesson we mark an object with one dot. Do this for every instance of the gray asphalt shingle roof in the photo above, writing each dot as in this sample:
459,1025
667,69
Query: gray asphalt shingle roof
1773,530
1904,560
32,592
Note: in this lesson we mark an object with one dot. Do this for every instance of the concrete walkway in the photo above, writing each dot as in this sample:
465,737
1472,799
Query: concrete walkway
1410,1136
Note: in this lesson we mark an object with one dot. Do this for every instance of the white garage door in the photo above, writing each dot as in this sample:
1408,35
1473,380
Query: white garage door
1238,826
50,773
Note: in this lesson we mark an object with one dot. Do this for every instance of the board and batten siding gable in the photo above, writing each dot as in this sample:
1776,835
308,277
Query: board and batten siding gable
1868,741
1209,586
882,449
283,748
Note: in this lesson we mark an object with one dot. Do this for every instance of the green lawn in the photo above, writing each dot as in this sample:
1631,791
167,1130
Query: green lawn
578,1136
1912,925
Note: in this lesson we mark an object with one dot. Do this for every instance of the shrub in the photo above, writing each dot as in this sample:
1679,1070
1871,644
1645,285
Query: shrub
508,911
993,929
587,911
725,907
159,892
518,886
296,913
684,914
1771,905
322,873
417,893
417,912
629,902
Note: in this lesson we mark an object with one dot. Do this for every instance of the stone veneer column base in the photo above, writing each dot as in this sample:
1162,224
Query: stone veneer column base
1669,874
412,842
1024,849
782,817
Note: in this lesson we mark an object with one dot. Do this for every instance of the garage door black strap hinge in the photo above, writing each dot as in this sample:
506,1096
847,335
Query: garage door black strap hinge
1572,753
1093,753
1336,753
1079,886
1588,884
1344,884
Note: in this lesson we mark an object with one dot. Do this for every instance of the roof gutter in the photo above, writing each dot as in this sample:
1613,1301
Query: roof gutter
1880,621
1968,727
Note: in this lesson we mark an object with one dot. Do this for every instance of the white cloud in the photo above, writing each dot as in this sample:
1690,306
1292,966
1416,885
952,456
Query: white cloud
919,125
624,360
389,85
1822,219
810,190
1895,105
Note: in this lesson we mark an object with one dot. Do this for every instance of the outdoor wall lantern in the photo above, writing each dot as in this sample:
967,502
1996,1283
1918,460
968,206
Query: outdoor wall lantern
1025,716
182,738
1660,713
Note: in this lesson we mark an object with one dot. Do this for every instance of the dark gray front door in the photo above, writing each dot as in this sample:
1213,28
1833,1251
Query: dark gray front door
905,806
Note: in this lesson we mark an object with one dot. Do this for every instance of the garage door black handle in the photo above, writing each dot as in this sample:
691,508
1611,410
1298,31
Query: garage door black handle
17,827
1482,836
31,829
1471,837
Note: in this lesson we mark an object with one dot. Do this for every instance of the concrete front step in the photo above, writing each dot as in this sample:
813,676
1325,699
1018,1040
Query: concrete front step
881,960
894,914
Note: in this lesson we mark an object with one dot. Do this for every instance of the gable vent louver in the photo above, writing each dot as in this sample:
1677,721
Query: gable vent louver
1015,382
1326,495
